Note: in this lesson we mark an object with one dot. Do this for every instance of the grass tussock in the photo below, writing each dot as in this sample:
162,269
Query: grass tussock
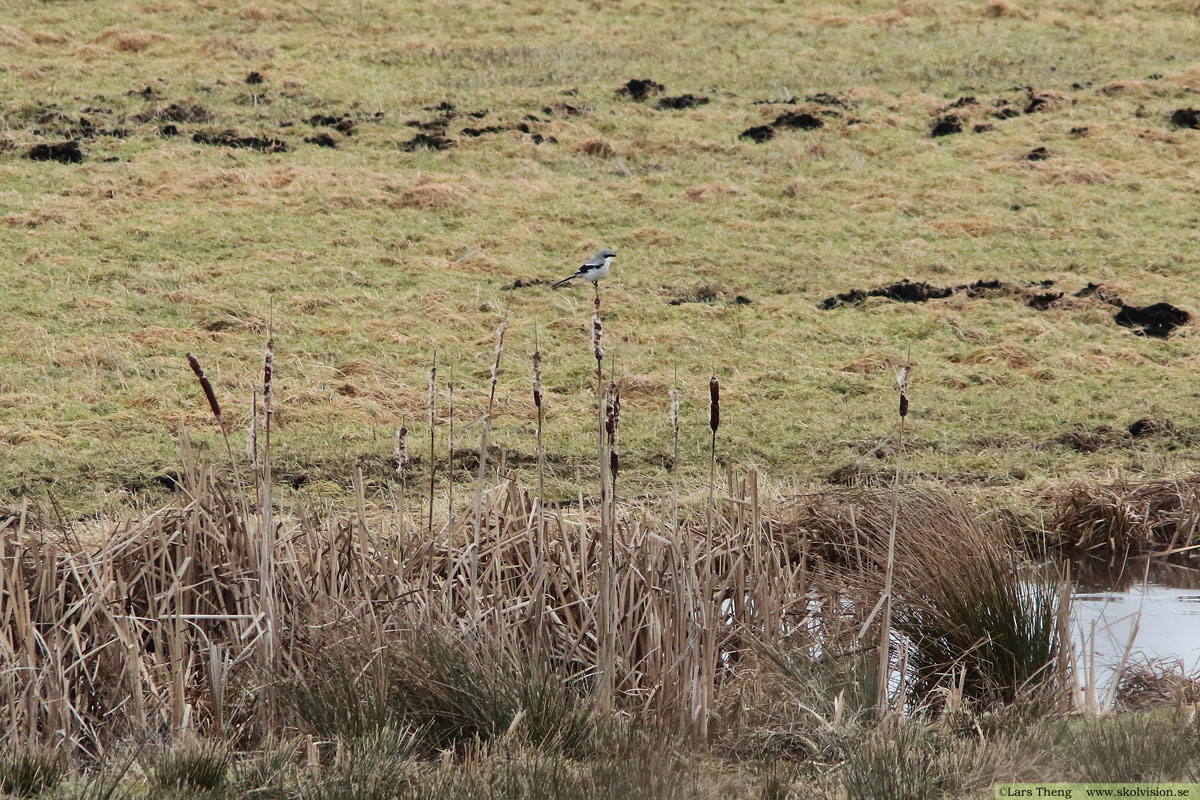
30,770
1126,517
192,767
965,614
1134,748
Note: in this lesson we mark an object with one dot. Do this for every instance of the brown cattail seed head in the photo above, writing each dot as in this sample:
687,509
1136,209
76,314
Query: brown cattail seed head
537,378
902,377
613,425
194,363
268,370
714,403
401,450
597,337
674,395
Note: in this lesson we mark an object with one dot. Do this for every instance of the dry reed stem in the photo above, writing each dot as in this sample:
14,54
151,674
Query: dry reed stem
432,403
885,625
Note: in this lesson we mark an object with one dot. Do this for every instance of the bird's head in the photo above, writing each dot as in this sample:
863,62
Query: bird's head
606,254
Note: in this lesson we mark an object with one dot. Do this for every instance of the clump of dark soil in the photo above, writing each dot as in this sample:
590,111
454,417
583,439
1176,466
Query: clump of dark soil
1090,441
759,133
321,140
230,138
709,294
827,99
477,132
681,102
1157,320
802,120
1097,290
1037,102
1079,132
640,88
1186,118
521,283
1037,154
983,127
428,141
62,152
254,78
1043,301
1006,113
904,291
945,126
961,102
564,109
341,124
1148,426
168,130
176,112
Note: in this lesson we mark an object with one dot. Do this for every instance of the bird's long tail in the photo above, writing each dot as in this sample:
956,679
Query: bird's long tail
565,280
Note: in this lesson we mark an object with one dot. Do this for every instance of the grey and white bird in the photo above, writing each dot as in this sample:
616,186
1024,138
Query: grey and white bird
593,269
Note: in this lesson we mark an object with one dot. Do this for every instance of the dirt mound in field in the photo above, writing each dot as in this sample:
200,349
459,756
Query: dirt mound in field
62,152
230,138
759,133
640,88
801,120
681,102
185,111
1157,320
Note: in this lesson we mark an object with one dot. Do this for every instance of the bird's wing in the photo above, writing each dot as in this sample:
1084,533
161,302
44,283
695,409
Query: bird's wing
592,263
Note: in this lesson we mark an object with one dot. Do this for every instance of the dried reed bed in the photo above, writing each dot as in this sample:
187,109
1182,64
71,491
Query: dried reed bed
181,623
1124,517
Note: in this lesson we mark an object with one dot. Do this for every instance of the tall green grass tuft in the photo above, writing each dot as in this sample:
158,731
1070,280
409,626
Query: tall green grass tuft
26,771
452,692
377,766
458,692
192,767
1132,748
989,618
897,762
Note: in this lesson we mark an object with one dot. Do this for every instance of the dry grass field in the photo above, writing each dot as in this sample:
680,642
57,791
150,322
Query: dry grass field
808,600
374,252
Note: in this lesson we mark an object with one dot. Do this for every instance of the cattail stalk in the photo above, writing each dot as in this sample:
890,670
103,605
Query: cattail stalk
714,422
674,413
401,454
432,424
539,609
483,452
612,427
605,623
252,431
711,602
267,532
537,403
450,447
211,396
885,633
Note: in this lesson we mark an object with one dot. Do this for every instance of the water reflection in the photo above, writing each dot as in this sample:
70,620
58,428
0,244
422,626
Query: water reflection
1148,606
